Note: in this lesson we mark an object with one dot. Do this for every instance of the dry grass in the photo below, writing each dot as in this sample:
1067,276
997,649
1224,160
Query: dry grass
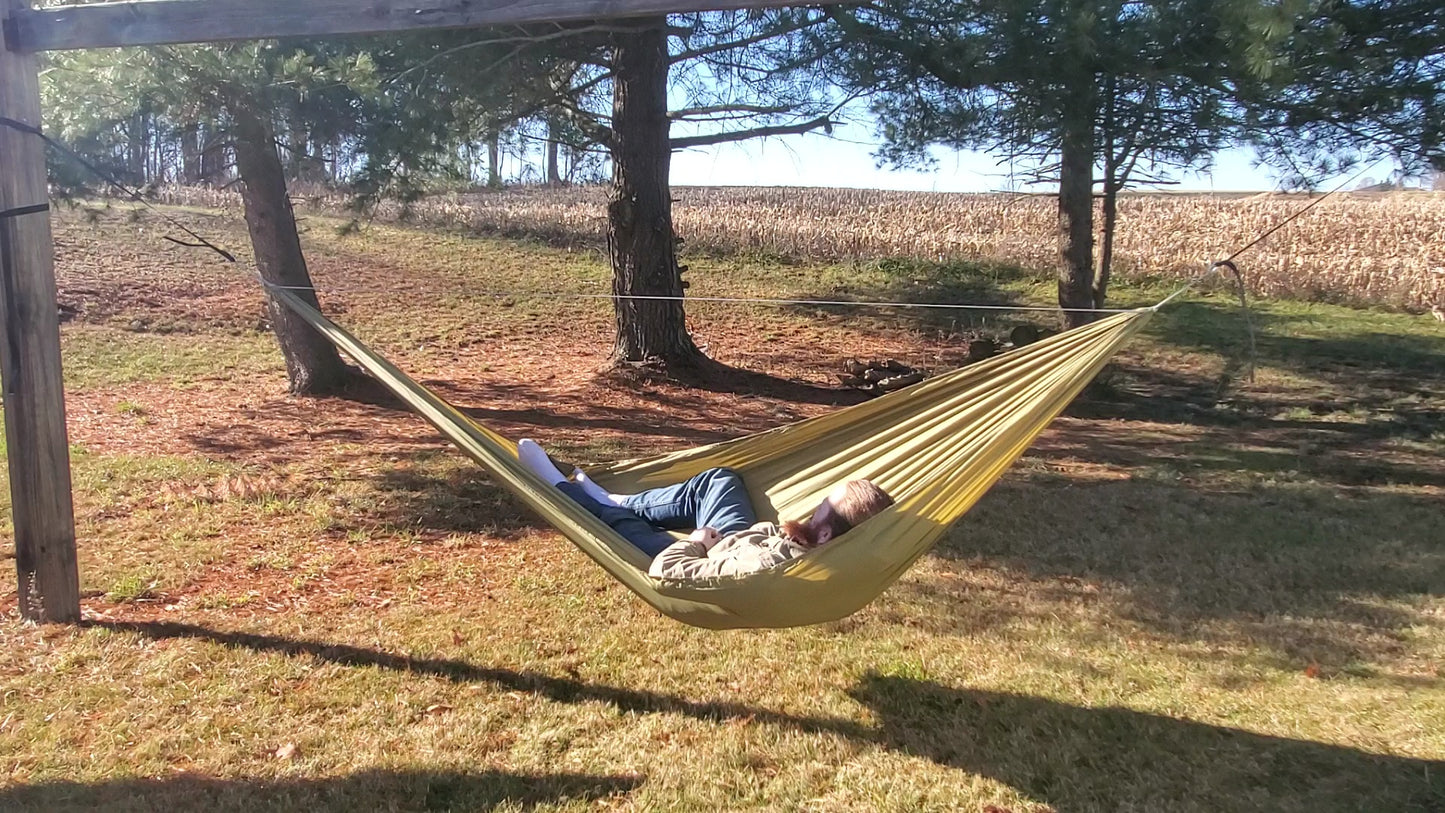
1196,594
1381,248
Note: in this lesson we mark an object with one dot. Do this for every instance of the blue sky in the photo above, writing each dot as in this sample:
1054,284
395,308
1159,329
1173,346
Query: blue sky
846,160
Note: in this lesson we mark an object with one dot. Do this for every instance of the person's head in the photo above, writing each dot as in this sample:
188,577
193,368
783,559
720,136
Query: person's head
847,506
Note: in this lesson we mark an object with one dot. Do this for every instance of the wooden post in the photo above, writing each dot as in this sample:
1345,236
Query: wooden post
160,22
34,399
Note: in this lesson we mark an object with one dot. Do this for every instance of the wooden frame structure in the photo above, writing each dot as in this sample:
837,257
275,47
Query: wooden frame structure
30,371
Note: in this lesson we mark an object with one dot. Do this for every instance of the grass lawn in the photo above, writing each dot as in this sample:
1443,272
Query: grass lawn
1196,593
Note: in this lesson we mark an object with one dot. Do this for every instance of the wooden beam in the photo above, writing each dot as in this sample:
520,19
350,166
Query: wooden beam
160,22
39,456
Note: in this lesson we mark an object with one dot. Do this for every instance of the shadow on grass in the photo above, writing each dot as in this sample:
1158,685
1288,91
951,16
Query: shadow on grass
920,282
714,376
1296,570
368,790
460,500
1069,757
1356,365
659,414
561,690
1074,758
276,424
1361,353
1338,453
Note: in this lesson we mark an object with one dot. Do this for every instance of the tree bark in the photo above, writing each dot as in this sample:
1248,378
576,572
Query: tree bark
640,240
213,156
137,146
554,175
333,163
191,145
1106,249
160,147
1112,183
295,159
313,365
494,161
1076,206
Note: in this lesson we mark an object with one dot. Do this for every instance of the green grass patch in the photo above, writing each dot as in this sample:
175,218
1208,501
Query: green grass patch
99,356
133,586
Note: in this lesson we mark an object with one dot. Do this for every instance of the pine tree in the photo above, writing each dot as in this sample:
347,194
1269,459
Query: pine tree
247,95
1091,91
1358,80
607,86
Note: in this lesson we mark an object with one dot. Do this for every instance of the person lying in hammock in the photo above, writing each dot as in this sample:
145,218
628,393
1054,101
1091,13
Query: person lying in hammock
726,538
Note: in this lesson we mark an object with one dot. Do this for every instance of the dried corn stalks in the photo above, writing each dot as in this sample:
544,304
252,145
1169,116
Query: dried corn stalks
1386,248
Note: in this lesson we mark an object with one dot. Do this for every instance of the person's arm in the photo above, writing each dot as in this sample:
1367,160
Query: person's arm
688,559
684,559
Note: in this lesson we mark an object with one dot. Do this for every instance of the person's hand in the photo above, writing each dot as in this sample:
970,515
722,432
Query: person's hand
707,537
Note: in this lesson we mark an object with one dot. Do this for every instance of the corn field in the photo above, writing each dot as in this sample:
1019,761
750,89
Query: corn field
1381,248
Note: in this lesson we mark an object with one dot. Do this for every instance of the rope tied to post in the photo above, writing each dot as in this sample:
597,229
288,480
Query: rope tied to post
21,211
1228,264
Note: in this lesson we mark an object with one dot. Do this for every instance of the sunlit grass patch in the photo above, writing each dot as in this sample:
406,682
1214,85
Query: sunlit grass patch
132,586
95,356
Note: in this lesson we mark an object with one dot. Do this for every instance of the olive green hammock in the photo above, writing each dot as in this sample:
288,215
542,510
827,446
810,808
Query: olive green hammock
935,446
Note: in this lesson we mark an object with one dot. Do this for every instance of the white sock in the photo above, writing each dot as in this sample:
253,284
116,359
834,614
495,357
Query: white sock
593,490
534,458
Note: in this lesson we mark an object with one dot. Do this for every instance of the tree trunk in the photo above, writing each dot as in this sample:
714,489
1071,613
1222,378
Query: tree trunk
333,163
148,153
296,156
1106,250
213,156
1076,207
554,174
1112,184
640,239
162,155
312,363
191,145
494,161
137,145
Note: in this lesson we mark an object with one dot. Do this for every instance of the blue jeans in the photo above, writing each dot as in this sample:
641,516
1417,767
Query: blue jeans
715,499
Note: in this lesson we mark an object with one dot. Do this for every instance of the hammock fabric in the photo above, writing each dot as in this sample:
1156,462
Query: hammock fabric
935,446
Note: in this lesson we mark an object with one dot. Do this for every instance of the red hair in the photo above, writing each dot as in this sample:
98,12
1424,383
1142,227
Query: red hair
860,500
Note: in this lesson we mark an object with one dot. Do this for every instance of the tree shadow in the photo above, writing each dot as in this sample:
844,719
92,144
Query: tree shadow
276,423
1376,370
459,500
1074,758
583,428
1069,757
1339,453
1292,570
715,376
562,690
366,790
627,413
1397,378
1398,403
1220,328
923,282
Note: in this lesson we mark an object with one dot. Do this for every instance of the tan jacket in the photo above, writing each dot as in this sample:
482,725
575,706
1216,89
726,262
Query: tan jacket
758,548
